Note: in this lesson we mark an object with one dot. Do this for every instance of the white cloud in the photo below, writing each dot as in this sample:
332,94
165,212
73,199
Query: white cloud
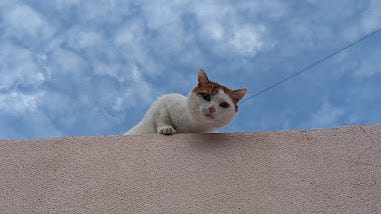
19,67
223,25
134,91
368,20
138,93
64,61
22,21
17,102
133,44
78,38
160,14
215,30
372,16
110,70
248,40
131,35
361,67
218,23
362,63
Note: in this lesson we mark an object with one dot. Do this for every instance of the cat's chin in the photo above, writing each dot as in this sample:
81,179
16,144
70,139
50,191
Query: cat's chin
209,116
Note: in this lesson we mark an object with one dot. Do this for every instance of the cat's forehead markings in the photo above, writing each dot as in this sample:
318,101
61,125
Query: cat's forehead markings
211,88
223,96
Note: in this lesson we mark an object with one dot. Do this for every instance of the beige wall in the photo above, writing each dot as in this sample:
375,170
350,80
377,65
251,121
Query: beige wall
317,171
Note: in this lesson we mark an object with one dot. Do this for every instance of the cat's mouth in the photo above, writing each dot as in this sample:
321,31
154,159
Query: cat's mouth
209,116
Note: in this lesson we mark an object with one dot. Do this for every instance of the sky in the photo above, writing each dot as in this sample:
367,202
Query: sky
80,68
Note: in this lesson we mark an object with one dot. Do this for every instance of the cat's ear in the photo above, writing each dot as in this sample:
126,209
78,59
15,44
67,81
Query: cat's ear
238,94
202,78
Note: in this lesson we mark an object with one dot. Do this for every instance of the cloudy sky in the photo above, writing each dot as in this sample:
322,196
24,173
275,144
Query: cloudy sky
73,68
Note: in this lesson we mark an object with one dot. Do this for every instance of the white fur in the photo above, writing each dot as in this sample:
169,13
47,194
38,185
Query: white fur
175,113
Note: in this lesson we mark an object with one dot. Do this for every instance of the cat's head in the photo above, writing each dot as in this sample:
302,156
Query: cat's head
213,104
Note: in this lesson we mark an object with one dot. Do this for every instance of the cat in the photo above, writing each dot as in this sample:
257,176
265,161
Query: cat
208,106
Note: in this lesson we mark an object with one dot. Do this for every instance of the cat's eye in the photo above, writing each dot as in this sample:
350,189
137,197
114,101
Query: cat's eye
206,97
225,105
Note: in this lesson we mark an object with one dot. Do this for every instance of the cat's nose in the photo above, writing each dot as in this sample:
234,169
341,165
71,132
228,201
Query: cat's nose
212,109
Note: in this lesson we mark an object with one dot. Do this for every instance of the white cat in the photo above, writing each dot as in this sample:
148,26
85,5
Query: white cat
208,106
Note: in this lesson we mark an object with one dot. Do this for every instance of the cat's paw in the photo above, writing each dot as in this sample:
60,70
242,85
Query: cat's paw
167,130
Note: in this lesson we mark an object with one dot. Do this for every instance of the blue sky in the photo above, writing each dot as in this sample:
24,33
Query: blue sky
73,68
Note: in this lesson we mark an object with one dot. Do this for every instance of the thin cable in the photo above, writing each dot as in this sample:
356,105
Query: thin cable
312,65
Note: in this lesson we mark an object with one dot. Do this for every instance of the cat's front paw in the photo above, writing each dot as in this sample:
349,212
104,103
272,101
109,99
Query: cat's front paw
167,130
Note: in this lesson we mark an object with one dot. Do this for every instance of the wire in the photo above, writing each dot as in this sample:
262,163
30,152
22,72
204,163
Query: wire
312,65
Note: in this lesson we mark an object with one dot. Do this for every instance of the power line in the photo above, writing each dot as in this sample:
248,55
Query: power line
312,65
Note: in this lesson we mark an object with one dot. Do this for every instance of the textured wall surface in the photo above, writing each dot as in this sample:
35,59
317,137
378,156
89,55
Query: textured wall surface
319,171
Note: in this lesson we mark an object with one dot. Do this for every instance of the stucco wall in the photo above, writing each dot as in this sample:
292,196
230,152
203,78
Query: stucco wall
317,171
